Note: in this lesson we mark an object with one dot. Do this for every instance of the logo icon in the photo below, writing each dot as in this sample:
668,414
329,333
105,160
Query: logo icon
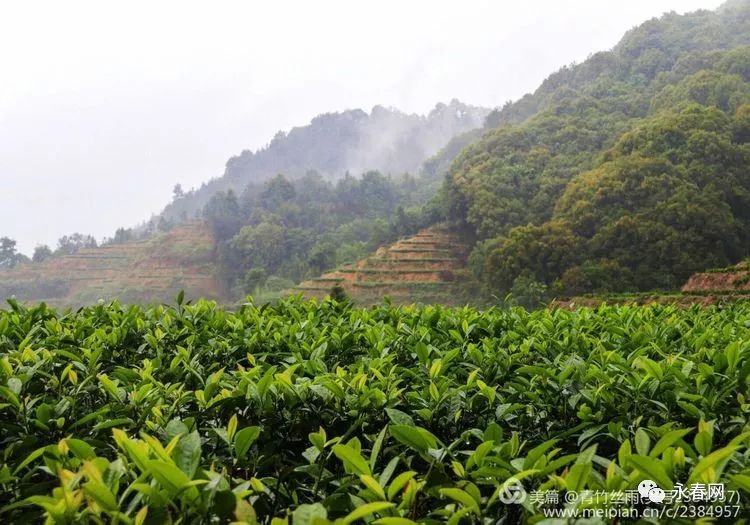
512,492
648,490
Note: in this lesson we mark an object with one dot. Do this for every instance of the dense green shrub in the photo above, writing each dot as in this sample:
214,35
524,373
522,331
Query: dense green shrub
194,414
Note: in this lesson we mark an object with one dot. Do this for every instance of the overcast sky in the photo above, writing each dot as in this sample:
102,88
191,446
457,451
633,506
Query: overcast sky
104,106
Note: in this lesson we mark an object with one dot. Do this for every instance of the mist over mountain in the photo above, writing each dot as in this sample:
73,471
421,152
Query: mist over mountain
627,172
354,141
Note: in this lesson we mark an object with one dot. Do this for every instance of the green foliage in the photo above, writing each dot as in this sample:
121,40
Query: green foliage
276,192
709,88
534,251
223,214
626,172
671,198
527,292
123,235
310,411
264,246
254,278
297,229
70,244
41,253
338,294
659,51
600,277
9,257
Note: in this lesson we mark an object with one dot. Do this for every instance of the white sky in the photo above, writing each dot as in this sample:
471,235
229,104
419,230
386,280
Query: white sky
104,106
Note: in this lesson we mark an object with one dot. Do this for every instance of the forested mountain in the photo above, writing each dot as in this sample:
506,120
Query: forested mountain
626,172
385,140
283,231
305,203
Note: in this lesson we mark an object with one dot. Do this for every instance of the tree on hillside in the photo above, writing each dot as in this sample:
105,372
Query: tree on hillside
316,188
223,214
262,246
338,294
322,257
122,235
277,191
9,257
372,195
670,198
164,225
299,228
41,253
177,192
70,244
254,278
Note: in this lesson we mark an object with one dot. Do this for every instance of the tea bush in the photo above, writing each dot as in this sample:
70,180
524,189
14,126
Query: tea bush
315,412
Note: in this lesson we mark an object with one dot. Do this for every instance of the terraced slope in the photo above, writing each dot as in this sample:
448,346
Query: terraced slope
425,268
735,279
153,270
714,286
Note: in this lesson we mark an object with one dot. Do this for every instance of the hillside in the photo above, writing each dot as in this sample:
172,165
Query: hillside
332,144
424,268
268,230
627,172
648,56
137,272
731,280
709,287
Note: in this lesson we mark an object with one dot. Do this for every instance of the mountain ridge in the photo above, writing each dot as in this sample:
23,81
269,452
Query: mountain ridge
541,191
335,143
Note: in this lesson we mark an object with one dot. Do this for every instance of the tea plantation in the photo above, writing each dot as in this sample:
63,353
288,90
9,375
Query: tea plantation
318,412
